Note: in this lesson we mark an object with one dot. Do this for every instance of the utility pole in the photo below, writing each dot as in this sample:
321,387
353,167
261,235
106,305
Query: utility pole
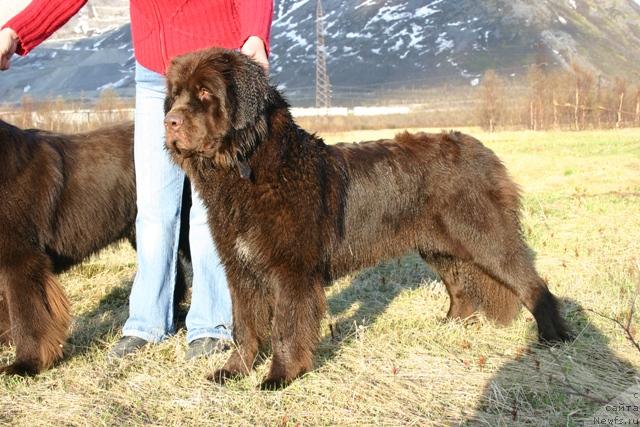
323,86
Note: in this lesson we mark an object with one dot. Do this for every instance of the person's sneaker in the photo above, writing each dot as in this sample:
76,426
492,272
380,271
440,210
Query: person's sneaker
126,345
206,347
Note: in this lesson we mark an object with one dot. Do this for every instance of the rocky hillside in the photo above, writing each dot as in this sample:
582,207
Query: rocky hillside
373,46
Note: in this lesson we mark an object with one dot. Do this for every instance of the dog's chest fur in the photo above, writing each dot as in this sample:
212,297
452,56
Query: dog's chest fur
285,215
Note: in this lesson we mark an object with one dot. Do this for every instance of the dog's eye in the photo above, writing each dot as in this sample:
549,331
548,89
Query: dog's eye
204,94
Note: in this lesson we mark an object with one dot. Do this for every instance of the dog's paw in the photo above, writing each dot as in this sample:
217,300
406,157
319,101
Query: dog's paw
555,339
465,321
221,376
21,369
556,334
273,384
567,336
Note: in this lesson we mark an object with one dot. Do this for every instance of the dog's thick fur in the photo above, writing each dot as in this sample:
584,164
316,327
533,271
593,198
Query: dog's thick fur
64,197
289,213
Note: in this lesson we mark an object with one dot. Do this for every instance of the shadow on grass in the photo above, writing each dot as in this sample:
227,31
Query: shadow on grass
567,384
360,302
368,295
95,325
371,290
111,313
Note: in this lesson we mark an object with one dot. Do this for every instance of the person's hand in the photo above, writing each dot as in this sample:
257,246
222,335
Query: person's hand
254,49
8,46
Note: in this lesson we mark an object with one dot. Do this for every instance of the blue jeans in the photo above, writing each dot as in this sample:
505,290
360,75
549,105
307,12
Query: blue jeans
159,194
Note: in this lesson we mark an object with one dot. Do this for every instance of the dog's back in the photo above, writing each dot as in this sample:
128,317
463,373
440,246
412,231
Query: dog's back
399,188
399,193
97,203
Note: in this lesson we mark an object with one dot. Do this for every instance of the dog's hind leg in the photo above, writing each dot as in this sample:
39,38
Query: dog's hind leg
38,313
299,308
483,226
252,305
498,302
471,289
460,304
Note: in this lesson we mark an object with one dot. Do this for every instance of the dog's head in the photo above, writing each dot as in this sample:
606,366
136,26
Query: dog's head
215,106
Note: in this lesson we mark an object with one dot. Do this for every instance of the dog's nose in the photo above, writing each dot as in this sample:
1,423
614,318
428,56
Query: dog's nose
173,121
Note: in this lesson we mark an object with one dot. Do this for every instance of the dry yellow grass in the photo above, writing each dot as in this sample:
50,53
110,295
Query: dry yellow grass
392,360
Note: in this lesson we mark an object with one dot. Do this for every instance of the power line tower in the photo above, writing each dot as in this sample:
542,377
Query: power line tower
323,86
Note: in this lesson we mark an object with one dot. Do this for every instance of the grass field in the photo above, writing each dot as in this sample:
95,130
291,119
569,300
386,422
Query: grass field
392,360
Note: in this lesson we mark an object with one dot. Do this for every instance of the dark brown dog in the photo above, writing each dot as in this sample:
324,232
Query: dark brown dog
289,213
64,197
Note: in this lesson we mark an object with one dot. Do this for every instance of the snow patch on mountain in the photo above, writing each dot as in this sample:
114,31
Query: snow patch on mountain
428,10
443,43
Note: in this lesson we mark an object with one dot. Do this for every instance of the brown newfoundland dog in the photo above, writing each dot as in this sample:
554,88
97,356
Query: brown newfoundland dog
64,197
289,213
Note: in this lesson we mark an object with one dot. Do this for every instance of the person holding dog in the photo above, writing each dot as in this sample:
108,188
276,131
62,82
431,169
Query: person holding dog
161,30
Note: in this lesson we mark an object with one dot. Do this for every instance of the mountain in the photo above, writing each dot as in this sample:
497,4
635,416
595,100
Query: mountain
374,47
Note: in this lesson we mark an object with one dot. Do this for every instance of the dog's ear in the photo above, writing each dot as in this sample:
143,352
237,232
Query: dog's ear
248,90
168,103
168,99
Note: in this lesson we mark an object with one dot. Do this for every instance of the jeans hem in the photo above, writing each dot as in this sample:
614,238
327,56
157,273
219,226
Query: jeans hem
153,338
219,333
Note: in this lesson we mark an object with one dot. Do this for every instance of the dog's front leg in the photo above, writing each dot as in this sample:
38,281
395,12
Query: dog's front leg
251,302
299,307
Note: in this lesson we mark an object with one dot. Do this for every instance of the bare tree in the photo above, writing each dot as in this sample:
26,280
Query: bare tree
598,102
540,92
584,80
620,89
576,104
561,94
108,100
491,98
537,83
554,80
636,118
26,112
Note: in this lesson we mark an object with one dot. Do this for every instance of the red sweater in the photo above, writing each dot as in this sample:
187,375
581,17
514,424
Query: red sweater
161,29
